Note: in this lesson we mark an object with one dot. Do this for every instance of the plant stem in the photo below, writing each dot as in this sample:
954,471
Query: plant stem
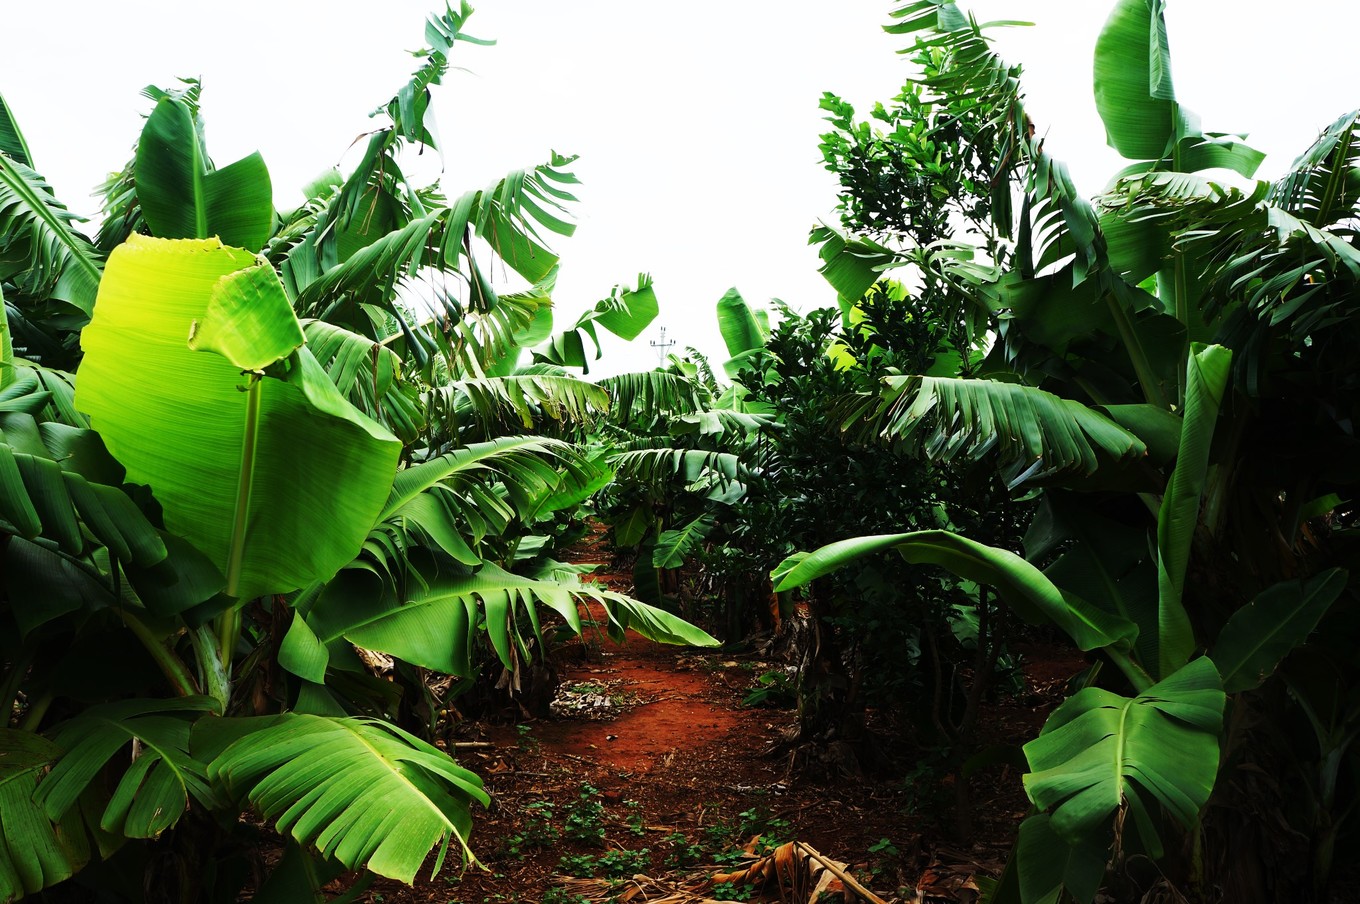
36,710
9,688
229,623
216,679
1140,679
6,347
170,665
1147,379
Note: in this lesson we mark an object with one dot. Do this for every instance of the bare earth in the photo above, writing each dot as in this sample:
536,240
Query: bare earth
654,746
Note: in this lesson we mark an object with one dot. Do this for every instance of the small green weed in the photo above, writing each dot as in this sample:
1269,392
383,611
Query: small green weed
622,864
774,689
585,819
634,818
618,864
731,891
581,865
538,831
772,830
683,852
884,851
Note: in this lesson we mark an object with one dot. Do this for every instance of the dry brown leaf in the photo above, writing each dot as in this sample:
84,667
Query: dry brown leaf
940,883
800,873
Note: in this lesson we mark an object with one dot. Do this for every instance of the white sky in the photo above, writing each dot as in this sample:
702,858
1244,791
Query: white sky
696,124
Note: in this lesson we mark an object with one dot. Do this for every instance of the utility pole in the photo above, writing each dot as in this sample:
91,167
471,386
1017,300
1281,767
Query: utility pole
662,348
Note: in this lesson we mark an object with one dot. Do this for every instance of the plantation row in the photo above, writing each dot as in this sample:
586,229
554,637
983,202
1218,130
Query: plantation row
240,447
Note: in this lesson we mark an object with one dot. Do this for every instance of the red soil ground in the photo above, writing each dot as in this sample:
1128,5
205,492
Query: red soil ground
678,756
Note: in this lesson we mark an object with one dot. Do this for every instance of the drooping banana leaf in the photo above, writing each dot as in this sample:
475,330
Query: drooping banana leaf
36,852
1018,582
673,547
153,793
647,396
1036,433
658,467
1047,864
296,503
625,313
43,492
363,792
61,263
528,400
433,623
851,264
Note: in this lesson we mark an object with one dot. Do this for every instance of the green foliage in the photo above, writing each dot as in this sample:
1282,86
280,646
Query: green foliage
613,864
269,458
584,820
182,196
292,527
775,688
539,829
1187,328
682,852
732,891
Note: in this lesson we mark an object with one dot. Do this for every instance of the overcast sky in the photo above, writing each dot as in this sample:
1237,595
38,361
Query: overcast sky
696,124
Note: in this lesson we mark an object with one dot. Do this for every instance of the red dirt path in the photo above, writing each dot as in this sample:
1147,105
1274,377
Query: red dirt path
681,754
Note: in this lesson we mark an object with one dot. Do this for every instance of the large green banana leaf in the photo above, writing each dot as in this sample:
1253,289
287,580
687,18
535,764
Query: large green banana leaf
1016,581
433,624
1035,433
742,332
297,501
364,793
1047,864
851,264
35,851
153,793
673,547
43,492
12,143
183,197
1206,380
647,396
1100,751
61,262
528,399
625,313
1133,88
455,500
1261,634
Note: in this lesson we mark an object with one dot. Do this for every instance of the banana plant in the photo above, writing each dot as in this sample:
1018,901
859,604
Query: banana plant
1134,382
225,470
